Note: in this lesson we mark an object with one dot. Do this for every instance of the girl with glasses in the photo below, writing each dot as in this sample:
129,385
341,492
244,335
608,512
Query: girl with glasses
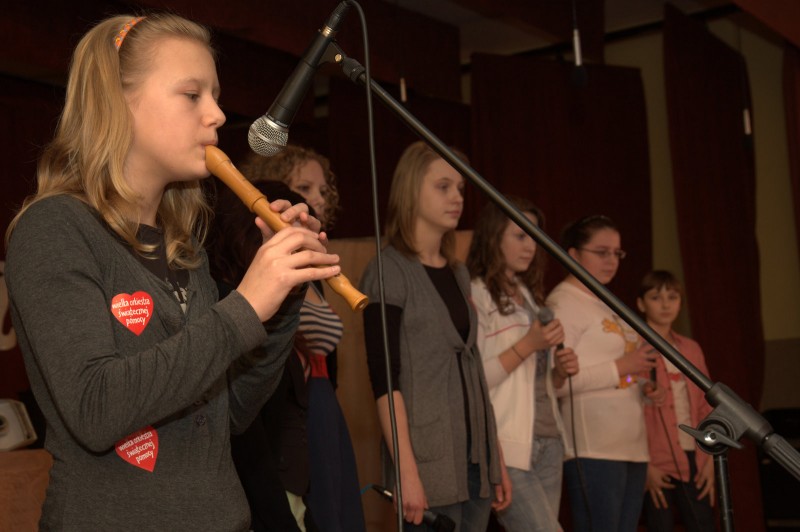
606,451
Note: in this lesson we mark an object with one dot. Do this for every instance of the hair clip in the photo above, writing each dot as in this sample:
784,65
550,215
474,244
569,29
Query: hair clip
124,32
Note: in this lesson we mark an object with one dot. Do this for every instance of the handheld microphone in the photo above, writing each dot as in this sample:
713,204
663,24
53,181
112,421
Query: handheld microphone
653,375
545,316
268,134
439,522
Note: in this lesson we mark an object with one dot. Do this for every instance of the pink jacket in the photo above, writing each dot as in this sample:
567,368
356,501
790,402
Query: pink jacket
660,454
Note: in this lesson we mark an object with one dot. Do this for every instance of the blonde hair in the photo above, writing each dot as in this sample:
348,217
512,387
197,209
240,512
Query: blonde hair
402,210
86,157
282,166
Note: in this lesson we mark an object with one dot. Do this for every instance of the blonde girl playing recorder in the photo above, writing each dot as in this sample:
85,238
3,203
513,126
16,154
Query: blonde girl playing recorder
139,414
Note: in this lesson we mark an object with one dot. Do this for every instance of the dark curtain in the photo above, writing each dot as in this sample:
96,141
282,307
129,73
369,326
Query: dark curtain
791,99
349,147
28,113
574,147
714,178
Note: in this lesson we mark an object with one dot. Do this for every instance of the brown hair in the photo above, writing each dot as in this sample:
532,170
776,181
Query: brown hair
485,259
659,279
234,238
281,167
579,232
95,131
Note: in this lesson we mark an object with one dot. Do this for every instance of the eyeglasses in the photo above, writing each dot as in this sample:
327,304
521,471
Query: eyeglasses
607,253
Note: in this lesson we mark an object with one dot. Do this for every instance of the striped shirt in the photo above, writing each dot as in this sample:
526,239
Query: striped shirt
320,326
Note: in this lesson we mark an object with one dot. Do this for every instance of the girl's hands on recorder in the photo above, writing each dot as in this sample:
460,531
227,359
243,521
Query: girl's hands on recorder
290,257
296,215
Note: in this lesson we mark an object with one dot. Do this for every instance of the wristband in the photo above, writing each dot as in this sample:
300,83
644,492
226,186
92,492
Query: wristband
517,353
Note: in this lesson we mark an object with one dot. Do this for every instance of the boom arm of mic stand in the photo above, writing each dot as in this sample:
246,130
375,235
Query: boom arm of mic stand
746,419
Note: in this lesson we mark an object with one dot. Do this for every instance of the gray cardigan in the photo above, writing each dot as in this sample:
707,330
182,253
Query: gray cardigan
430,381
192,378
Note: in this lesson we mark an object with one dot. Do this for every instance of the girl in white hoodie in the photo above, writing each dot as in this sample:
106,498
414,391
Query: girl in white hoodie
521,369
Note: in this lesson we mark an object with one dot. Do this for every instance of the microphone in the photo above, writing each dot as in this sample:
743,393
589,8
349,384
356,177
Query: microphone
545,316
653,373
268,134
439,522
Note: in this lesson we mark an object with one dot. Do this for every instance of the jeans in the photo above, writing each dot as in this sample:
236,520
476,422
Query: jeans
614,492
469,516
697,516
536,493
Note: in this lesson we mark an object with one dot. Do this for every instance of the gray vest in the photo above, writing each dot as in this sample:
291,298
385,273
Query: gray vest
431,382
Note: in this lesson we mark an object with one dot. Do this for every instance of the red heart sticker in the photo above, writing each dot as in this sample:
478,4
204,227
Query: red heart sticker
140,449
133,311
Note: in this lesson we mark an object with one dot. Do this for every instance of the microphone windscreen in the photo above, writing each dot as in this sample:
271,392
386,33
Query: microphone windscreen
545,315
266,137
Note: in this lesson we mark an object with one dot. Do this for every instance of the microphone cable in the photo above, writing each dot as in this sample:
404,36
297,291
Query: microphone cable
545,316
398,492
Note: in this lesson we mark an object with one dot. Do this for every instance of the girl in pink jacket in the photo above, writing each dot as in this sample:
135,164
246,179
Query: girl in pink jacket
679,477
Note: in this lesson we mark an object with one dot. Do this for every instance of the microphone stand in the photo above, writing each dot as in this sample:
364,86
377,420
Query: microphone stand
731,417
